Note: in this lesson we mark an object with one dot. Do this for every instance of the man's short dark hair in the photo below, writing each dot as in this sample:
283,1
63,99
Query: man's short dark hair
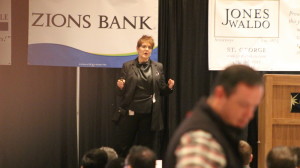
235,74
141,157
116,163
111,153
281,157
94,158
246,151
296,150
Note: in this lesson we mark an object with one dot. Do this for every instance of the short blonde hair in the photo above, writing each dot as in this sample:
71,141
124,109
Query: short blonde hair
145,39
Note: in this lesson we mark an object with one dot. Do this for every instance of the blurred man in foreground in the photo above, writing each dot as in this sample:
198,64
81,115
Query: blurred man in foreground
208,138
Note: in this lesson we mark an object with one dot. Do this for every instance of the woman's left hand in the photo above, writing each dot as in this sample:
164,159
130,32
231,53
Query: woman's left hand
171,83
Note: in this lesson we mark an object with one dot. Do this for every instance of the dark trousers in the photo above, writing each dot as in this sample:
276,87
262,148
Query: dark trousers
133,130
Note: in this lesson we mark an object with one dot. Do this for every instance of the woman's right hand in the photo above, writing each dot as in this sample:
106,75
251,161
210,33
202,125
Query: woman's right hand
121,83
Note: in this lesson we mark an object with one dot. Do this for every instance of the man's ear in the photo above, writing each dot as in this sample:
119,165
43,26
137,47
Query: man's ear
219,92
251,157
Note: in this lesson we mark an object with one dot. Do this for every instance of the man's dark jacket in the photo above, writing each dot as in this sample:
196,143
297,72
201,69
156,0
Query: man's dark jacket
204,118
160,88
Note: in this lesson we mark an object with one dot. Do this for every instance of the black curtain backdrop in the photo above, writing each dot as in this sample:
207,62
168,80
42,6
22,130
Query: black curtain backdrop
182,50
38,103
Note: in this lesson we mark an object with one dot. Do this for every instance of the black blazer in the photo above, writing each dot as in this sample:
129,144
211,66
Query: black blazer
160,88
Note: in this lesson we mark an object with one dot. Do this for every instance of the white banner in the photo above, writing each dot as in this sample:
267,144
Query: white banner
96,33
264,34
5,32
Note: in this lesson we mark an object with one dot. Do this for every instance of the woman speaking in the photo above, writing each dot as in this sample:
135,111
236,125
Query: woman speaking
140,87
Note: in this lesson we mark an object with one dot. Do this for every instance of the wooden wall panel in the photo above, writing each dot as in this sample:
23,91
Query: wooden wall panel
277,126
288,135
